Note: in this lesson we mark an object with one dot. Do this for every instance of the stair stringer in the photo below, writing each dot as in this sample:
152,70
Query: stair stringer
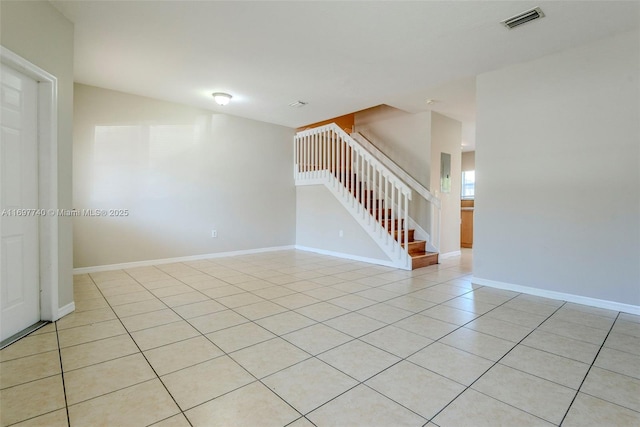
421,234
415,186
399,257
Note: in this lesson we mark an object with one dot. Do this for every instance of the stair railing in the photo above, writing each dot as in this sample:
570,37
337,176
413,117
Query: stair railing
374,195
433,238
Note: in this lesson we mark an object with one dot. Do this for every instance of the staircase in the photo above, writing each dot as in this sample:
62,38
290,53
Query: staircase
395,227
369,190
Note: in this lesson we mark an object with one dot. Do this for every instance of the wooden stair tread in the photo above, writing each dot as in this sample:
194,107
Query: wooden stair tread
416,248
423,254
423,259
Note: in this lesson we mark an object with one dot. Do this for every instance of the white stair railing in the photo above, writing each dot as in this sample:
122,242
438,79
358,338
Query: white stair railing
374,196
433,237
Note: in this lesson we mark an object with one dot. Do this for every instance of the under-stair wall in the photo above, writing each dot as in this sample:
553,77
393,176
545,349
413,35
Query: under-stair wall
323,225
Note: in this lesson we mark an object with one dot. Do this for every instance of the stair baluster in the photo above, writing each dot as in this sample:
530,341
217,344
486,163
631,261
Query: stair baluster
375,197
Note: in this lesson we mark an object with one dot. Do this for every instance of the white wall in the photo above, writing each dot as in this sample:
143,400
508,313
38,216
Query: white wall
36,31
405,138
181,172
446,136
414,142
468,161
402,136
319,219
558,182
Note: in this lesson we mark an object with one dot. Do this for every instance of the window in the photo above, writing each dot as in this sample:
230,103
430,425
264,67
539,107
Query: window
468,184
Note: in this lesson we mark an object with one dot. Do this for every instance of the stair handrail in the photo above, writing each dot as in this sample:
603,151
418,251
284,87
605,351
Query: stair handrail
397,170
361,150
330,156
435,203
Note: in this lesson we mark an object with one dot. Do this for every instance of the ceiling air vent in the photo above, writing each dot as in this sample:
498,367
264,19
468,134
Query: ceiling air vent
523,18
298,104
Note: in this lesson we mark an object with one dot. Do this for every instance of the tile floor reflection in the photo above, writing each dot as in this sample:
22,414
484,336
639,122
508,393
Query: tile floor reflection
298,339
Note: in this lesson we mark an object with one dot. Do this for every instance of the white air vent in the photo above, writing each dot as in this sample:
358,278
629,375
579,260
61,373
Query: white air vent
523,18
298,104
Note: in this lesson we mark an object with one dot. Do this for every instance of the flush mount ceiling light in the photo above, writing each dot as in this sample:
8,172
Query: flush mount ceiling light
221,98
523,18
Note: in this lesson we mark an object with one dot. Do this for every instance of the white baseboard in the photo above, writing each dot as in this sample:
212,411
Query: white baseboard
63,311
450,254
98,268
347,256
578,299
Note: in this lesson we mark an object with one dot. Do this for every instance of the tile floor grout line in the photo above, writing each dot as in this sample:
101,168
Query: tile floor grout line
145,358
494,364
289,262
589,370
315,356
240,314
363,382
62,372
225,353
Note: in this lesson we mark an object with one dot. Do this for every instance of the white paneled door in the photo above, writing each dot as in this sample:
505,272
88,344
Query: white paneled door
19,269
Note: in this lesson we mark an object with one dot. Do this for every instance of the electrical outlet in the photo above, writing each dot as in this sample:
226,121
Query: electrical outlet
340,233
214,233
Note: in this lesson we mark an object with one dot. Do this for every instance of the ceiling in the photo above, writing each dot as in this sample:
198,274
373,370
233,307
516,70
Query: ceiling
340,57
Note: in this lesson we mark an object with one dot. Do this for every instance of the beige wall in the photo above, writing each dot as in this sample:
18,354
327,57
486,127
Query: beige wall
402,136
319,219
468,161
405,139
39,33
558,194
446,134
181,172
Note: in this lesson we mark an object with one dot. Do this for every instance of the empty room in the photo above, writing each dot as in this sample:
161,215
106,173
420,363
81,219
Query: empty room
320,213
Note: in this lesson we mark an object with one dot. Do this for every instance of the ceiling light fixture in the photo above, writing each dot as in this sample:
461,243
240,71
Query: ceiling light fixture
221,98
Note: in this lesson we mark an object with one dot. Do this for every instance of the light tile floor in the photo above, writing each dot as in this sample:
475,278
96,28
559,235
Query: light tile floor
300,339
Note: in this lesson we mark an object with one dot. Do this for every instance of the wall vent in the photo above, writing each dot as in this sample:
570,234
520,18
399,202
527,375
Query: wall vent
523,18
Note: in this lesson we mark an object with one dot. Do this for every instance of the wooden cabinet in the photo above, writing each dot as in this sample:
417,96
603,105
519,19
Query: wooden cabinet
466,223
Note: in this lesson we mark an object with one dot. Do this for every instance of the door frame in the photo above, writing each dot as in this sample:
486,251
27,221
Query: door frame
47,178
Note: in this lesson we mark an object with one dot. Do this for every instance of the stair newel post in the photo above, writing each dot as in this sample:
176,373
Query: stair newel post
439,213
300,156
405,221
